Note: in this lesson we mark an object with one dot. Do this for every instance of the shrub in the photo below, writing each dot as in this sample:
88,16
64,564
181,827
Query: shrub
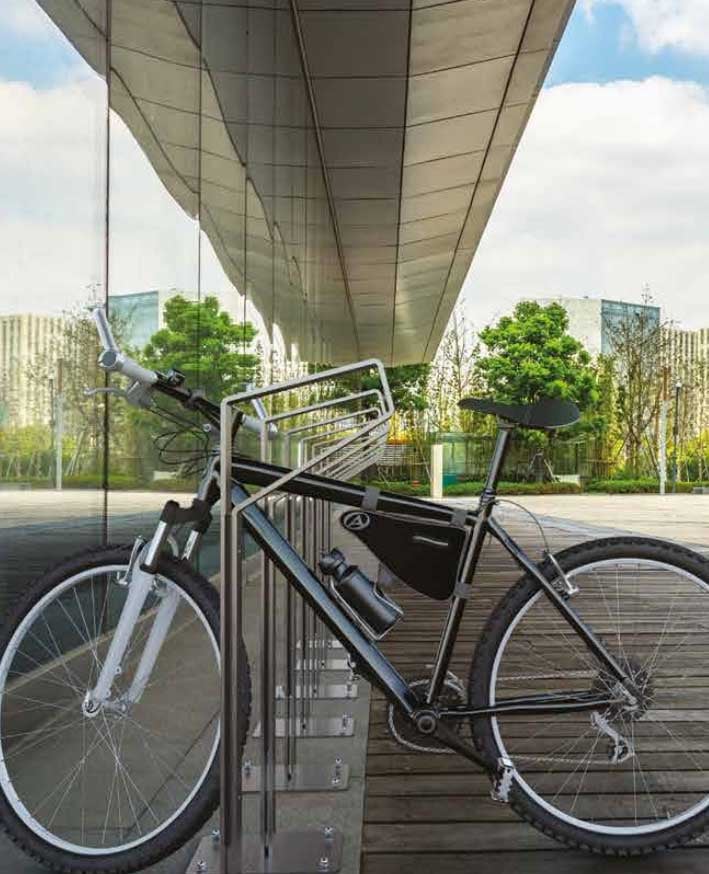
473,489
636,486
510,488
118,481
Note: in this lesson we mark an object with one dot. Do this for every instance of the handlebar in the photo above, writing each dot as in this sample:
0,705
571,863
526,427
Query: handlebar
252,424
104,329
113,360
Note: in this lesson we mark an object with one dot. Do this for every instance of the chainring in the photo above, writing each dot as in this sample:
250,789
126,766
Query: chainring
403,730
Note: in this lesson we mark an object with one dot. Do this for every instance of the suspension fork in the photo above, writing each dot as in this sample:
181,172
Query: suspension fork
141,581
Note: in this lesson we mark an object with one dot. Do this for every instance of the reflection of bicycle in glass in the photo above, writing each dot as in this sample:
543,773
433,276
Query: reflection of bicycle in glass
585,702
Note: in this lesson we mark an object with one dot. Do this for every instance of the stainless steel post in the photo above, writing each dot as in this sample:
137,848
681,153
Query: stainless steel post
232,729
286,851
290,722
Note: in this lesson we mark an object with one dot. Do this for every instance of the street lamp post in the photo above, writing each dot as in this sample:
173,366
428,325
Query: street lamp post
662,428
678,389
56,394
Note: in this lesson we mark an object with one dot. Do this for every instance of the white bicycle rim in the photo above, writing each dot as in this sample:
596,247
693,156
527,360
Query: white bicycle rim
6,783
598,828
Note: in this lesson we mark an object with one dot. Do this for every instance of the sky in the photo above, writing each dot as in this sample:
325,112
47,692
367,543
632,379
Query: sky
608,193
52,184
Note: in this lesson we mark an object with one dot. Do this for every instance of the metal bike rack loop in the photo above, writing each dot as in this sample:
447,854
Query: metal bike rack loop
308,527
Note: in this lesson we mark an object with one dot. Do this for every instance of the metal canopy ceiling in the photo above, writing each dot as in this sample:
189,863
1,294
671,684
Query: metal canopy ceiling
404,115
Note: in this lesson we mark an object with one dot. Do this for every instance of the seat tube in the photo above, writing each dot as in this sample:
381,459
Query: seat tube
469,565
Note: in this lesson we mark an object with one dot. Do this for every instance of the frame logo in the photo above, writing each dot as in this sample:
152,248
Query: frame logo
357,521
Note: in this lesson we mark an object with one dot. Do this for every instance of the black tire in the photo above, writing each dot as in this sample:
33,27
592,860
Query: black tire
188,823
481,679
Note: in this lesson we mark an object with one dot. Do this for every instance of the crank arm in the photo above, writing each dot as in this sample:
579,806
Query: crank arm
451,739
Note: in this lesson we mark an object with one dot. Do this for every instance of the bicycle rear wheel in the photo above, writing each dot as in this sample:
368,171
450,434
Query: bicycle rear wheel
121,789
633,778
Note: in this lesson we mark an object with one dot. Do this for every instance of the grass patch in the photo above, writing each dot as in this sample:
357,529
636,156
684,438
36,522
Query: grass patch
473,489
636,486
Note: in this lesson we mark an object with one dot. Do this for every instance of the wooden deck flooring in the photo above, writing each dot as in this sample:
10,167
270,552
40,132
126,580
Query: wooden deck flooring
433,813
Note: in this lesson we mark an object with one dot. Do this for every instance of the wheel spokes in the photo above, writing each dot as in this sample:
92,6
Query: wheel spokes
114,779
648,614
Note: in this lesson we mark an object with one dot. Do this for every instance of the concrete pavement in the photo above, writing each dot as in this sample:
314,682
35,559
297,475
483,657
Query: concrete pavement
675,517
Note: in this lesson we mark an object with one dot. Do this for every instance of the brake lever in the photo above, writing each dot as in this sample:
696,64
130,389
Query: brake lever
136,394
90,392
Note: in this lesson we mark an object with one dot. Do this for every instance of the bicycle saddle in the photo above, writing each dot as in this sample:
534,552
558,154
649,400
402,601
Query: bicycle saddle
546,414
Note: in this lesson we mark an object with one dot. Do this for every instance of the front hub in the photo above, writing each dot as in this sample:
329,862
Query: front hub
90,708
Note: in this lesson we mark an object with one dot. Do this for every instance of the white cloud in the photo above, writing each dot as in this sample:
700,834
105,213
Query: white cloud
609,190
26,19
52,220
661,24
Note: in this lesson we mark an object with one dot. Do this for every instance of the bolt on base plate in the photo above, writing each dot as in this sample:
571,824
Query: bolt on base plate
322,691
327,777
331,726
316,851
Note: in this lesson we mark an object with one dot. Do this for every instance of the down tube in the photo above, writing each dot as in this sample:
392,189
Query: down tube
299,575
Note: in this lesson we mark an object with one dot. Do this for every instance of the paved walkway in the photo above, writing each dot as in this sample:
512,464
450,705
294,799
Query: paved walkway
434,810
676,517
28,519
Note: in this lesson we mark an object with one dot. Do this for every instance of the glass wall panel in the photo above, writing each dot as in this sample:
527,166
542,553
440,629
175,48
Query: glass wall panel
158,157
53,147
155,294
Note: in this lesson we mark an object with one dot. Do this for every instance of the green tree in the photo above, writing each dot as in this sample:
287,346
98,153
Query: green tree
531,355
205,343
455,375
408,387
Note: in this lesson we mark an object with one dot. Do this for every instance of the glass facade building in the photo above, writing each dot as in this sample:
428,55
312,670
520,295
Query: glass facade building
273,183
158,149
140,314
322,172
616,313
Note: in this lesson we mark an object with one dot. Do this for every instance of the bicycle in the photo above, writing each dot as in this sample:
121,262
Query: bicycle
603,643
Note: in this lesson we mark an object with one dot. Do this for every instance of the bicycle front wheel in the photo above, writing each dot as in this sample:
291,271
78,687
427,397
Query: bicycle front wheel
633,778
119,789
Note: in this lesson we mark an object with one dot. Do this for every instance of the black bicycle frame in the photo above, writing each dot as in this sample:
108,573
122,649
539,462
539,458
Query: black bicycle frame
369,659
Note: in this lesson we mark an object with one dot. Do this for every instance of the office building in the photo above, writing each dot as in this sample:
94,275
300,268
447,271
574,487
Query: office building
30,348
595,321
140,314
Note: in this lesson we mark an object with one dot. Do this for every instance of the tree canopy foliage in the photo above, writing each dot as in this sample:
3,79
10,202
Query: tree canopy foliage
408,387
206,344
531,355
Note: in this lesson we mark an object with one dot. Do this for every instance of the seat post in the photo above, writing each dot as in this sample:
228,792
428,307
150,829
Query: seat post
470,558
502,444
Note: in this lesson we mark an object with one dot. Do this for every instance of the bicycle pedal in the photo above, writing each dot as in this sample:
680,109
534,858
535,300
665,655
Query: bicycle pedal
502,781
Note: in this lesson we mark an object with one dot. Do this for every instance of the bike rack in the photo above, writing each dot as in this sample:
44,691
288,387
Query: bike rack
337,445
